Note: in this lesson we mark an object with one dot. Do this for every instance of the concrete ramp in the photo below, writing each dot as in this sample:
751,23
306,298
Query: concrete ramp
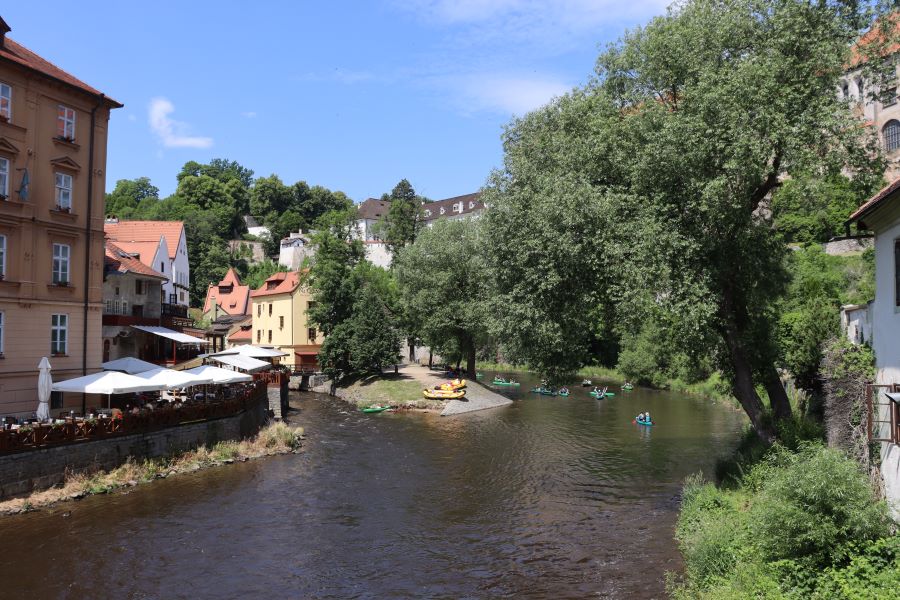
478,397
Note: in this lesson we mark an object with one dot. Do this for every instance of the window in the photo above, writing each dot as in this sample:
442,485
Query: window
1,332
61,253
280,322
162,267
270,309
4,178
56,400
270,336
117,290
139,287
5,101
65,123
311,335
890,97
258,311
63,191
258,335
59,334
2,256
891,133
861,90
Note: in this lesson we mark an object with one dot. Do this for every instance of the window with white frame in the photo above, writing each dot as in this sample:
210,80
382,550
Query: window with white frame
63,191
59,334
4,178
2,256
65,122
5,101
61,254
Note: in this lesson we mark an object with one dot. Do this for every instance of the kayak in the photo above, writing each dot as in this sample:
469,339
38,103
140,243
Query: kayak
563,394
543,391
598,396
443,394
642,422
497,382
452,386
375,409
627,388
587,383
479,375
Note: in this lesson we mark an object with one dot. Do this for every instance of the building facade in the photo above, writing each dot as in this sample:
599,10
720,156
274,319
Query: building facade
228,297
294,249
279,320
53,137
162,246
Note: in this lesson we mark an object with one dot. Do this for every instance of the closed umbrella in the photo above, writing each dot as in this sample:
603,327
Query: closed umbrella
45,383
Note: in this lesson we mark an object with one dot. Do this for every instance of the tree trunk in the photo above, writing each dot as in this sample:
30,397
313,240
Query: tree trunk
743,387
778,398
412,349
470,358
430,359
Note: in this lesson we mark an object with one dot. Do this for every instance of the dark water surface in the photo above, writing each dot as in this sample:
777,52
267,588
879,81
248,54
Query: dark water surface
547,498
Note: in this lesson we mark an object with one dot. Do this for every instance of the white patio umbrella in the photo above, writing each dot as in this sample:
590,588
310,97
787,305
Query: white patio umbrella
173,379
107,383
219,375
129,364
45,383
252,352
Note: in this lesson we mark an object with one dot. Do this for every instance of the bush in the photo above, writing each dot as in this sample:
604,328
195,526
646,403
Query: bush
873,573
811,505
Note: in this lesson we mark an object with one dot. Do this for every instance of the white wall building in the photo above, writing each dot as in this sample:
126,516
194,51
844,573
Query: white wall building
295,248
881,214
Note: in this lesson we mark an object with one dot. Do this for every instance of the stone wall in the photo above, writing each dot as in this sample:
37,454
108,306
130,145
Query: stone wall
25,472
851,245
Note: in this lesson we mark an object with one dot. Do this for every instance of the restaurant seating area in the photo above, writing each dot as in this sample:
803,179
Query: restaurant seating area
130,414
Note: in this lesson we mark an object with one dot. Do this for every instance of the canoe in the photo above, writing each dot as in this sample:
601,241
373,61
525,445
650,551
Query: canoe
543,391
598,396
495,382
443,394
640,422
375,409
563,394
587,383
627,388
479,375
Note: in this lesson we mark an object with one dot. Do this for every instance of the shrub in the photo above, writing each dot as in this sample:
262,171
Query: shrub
812,506
873,573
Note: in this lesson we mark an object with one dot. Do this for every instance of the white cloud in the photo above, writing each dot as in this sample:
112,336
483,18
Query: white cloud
172,133
504,93
131,117
250,114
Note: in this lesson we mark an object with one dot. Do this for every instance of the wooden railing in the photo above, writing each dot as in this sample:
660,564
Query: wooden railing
875,399
274,378
76,430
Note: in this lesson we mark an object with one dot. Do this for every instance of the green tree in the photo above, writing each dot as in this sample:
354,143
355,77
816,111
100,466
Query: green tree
269,197
658,172
128,194
375,342
403,219
220,169
442,284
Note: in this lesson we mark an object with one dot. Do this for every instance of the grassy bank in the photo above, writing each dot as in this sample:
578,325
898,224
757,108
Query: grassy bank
713,388
800,523
398,391
277,438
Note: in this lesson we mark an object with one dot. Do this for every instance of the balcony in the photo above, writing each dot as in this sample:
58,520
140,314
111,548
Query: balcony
174,310
123,315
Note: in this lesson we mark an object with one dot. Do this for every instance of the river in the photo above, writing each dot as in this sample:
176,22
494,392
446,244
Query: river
546,498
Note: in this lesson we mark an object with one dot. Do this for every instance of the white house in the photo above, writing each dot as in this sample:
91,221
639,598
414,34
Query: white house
855,323
881,214
293,249
162,246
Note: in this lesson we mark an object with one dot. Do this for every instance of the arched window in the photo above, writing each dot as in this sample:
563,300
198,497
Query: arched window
891,134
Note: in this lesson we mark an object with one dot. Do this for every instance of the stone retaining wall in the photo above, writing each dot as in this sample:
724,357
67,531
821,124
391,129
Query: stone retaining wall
852,245
33,470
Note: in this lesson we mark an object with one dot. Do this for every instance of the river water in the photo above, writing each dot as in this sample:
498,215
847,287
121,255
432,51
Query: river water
546,498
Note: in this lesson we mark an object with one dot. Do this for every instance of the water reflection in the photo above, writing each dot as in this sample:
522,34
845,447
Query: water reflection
547,498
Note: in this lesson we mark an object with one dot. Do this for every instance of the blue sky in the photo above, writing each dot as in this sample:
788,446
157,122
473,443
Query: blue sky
350,95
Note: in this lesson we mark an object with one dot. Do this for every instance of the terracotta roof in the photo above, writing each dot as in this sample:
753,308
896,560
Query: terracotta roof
19,54
451,206
229,294
146,231
279,283
372,208
241,335
874,202
875,36
121,261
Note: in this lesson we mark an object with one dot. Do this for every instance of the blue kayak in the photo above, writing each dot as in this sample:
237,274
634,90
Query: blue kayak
642,422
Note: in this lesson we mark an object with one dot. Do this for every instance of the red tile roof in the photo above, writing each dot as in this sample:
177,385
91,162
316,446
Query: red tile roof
884,45
121,261
279,283
232,297
241,335
874,202
22,56
146,231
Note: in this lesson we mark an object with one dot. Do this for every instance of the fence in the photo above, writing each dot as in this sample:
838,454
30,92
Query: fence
77,430
872,405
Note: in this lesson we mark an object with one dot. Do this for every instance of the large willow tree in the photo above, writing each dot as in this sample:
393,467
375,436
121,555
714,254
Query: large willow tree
646,191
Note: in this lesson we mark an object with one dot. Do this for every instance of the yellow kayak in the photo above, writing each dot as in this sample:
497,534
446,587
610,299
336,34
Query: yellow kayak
443,394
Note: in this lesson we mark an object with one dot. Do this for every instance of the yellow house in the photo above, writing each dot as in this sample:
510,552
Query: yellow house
279,319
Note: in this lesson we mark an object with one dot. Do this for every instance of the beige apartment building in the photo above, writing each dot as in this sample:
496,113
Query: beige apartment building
279,319
53,135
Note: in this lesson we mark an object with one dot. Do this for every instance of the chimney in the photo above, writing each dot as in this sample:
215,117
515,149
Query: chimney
4,29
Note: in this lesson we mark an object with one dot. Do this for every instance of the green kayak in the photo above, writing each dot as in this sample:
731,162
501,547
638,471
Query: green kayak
598,395
543,391
563,394
375,409
497,382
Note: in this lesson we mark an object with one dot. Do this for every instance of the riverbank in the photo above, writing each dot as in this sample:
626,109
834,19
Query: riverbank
713,388
277,438
403,390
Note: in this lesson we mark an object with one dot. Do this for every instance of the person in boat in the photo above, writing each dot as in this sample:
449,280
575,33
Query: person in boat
647,417
564,390
640,417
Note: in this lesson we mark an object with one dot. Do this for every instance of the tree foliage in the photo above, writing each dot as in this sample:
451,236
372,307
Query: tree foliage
647,187
403,220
